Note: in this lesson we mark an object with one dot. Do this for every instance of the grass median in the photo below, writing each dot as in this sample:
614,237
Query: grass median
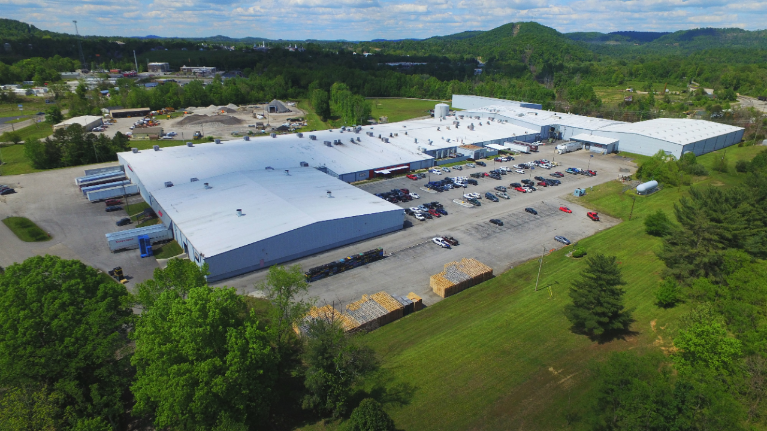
26,230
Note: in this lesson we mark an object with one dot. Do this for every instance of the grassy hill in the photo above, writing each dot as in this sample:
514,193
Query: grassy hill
501,356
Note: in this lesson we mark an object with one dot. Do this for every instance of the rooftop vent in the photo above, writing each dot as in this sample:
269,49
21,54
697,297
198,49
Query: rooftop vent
191,180
313,137
330,195
239,212
300,135
207,186
269,168
328,143
358,139
304,165
156,147
273,135
217,141
287,172
135,150
247,138
168,184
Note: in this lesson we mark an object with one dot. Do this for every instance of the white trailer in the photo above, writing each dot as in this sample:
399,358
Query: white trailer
517,147
85,190
569,147
128,239
114,192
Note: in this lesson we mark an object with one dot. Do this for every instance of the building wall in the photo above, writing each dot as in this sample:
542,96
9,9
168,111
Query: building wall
300,242
462,101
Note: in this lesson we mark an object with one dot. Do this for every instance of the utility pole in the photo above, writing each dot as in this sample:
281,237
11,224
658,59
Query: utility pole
135,61
540,265
80,47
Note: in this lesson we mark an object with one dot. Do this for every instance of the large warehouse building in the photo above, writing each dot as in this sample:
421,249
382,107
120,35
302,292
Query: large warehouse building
246,204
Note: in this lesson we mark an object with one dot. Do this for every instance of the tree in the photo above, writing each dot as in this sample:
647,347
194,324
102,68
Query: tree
179,276
741,166
321,103
202,362
29,408
370,416
13,137
283,287
42,154
704,342
657,224
335,362
721,164
597,306
667,294
63,325
53,115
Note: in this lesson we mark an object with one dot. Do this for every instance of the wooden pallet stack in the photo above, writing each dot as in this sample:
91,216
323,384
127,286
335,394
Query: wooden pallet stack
367,312
417,301
394,308
329,314
459,276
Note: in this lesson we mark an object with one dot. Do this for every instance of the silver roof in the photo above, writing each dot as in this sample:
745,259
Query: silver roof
675,130
594,139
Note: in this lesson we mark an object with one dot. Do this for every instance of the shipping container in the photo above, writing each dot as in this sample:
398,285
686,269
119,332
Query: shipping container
85,190
98,177
97,171
128,239
104,194
518,147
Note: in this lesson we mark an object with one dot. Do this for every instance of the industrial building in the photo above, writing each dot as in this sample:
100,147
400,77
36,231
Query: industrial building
145,133
158,67
672,135
131,112
198,70
88,122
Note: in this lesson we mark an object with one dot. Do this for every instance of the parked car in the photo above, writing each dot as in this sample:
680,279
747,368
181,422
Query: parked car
418,216
5,190
562,239
171,133
502,195
593,173
412,177
520,189
501,188
565,210
479,163
441,211
445,169
496,222
531,211
434,213
458,168
491,197
557,174
515,185
440,242
123,221
472,182
111,202
474,202
113,208
450,240
470,165
519,171
414,196
592,215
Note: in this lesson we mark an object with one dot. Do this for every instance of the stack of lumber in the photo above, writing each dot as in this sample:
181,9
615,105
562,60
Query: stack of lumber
367,312
329,314
395,310
417,301
458,276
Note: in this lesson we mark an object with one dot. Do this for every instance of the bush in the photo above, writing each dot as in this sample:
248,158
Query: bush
667,294
741,166
721,165
657,224
370,416
13,137
698,170
579,251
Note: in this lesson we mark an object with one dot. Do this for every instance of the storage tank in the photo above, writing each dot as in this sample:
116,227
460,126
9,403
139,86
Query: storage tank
646,188
441,110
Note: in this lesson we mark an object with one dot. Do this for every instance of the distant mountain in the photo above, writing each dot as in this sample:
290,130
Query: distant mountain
458,36
617,36
392,40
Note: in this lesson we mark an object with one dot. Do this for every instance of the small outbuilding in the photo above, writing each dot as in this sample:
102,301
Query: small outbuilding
88,122
277,107
131,112
147,133
597,144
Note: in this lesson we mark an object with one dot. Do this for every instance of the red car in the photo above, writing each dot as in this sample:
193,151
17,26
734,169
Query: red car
520,189
412,177
592,215
566,210
592,172
543,184
405,191
435,214
111,202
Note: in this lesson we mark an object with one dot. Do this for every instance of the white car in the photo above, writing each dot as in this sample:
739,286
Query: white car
468,196
474,195
440,242
415,209
414,196
519,171
436,172
167,137
470,165
171,133
445,169
418,216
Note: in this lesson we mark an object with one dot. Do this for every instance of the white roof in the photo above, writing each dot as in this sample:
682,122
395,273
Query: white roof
594,139
497,147
675,130
83,121
271,201
544,118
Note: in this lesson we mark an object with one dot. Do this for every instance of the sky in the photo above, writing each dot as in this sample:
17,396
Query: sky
373,19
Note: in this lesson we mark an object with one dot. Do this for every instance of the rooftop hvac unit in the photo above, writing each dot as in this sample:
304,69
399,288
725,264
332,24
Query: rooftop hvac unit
391,135
269,168
156,147
135,150
415,140
191,180
328,144
207,186
370,134
217,141
300,135
239,212
358,139
351,140
304,165
397,134
189,144
313,137
273,135
168,183
247,138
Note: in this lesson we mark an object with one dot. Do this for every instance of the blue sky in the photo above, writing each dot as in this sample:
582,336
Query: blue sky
370,19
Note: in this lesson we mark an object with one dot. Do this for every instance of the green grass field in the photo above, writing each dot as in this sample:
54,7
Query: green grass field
168,250
31,106
501,356
26,229
401,109
313,121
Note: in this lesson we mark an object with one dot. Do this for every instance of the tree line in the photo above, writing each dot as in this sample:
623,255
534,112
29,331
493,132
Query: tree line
74,355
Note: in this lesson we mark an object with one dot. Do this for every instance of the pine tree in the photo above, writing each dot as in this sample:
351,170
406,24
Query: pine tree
597,305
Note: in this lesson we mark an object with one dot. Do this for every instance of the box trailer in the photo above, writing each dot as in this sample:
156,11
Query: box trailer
80,181
97,171
513,146
85,190
569,147
129,239
104,194
532,147
103,180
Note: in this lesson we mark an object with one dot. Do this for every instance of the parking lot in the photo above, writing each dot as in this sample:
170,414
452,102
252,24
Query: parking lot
413,257
53,201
